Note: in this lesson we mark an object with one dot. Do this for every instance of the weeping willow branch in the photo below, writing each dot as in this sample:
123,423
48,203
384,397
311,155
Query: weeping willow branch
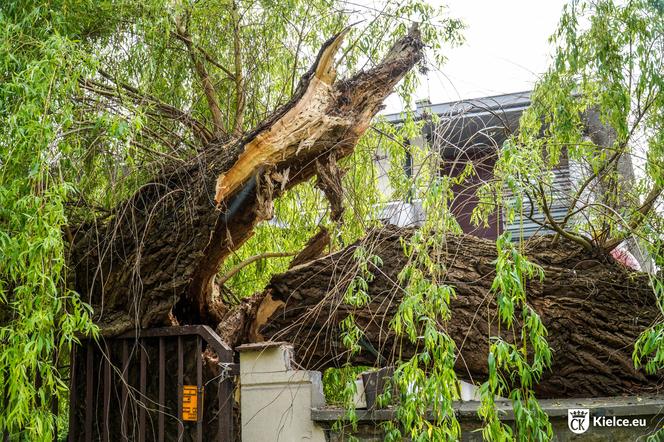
188,41
159,108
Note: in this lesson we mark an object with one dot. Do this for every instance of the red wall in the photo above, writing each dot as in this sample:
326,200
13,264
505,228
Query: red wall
465,199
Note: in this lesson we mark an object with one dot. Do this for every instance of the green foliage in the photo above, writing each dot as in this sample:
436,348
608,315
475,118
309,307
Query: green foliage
657,436
69,153
649,348
611,57
608,57
339,384
608,61
39,316
87,92
426,385
515,366
336,385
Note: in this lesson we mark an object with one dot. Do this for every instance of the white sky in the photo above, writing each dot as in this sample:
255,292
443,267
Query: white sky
506,48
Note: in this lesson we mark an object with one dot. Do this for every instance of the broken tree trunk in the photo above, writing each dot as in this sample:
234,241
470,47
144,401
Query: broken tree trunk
161,250
593,308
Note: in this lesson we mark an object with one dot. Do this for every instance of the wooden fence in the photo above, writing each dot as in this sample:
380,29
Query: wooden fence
163,384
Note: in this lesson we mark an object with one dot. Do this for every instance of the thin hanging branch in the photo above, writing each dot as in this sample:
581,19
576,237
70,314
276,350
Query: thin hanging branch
121,90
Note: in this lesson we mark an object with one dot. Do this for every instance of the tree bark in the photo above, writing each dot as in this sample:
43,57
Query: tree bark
593,308
155,259
158,254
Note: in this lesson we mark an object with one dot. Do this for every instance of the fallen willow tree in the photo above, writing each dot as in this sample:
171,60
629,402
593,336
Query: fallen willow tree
156,259
593,307
144,144
159,254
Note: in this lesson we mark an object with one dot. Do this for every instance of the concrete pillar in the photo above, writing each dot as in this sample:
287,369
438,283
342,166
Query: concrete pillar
275,400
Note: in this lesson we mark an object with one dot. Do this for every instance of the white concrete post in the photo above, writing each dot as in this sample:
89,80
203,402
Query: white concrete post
275,400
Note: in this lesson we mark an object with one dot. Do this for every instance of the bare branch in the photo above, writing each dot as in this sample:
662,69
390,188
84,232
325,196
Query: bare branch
637,217
587,182
239,266
556,227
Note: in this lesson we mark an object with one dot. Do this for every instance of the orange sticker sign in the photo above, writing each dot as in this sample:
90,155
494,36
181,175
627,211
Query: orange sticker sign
190,401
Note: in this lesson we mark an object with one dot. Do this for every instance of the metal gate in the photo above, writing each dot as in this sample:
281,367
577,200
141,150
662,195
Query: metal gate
153,385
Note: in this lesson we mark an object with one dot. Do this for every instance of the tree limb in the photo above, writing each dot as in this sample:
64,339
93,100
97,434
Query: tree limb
239,266
239,78
637,217
159,255
208,86
558,229
186,40
577,301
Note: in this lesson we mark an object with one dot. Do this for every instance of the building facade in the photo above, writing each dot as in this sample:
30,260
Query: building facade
473,131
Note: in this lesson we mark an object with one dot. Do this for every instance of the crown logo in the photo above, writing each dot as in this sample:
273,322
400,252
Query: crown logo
578,420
